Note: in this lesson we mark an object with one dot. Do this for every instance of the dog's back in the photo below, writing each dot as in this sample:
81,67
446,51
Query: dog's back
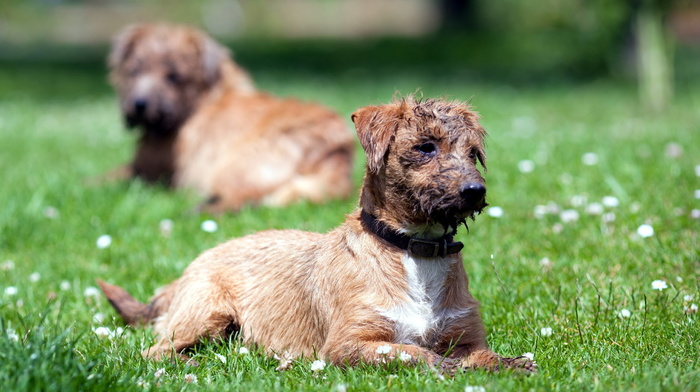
269,151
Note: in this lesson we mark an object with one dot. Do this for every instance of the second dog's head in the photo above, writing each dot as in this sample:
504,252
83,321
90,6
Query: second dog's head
422,157
161,71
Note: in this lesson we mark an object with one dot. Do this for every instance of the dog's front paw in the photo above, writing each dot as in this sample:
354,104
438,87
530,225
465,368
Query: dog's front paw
488,360
520,364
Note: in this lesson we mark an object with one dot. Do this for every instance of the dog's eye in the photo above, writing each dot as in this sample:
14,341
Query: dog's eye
428,148
472,155
173,77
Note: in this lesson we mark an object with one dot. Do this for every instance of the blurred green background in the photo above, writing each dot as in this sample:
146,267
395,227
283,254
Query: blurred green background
554,80
507,41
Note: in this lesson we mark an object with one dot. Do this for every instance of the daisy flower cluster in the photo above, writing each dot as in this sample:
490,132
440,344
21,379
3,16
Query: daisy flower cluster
579,205
384,351
690,307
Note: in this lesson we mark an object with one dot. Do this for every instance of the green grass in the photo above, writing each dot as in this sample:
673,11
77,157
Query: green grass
59,127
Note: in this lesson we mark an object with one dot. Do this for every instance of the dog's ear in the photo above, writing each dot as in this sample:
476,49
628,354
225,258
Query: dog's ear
376,126
211,55
123,45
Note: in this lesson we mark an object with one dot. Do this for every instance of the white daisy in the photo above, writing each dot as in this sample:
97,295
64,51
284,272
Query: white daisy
495,212
546,262
91,292
318,365
12,335
645,231
568,216
51,212
611,201
166,227
104,241
594,209
590,159
98,318
383,349
209,226
659,285
540,211
102,332
526,166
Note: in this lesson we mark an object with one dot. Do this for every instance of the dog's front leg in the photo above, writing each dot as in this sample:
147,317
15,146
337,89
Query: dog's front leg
465,344
489,360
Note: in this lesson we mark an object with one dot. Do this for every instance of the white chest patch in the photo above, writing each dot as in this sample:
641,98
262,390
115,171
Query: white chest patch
417,319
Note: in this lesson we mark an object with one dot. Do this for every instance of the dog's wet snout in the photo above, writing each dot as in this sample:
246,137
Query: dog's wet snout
140,105
473,192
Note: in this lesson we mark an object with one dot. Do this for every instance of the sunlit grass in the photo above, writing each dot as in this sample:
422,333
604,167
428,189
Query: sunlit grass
566,268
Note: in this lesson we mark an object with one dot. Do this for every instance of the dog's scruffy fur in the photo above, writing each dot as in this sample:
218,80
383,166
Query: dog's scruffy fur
204,126
342,295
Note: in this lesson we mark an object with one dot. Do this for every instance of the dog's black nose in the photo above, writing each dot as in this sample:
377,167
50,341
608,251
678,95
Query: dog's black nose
140,105
473,192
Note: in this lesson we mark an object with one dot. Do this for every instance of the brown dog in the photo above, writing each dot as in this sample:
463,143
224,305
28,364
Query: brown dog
388,282
203,125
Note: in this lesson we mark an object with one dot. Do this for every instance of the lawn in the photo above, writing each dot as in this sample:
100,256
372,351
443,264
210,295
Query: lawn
564,262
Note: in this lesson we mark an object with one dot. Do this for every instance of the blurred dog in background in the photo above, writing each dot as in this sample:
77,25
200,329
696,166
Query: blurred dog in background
204,126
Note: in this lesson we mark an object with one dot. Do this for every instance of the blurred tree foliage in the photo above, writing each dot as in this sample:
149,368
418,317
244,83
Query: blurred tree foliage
588,37
582,36
521,40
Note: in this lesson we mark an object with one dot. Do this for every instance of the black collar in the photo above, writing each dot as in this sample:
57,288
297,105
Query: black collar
442,246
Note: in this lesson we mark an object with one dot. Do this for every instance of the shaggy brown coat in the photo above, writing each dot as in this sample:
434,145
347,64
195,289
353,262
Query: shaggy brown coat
351,296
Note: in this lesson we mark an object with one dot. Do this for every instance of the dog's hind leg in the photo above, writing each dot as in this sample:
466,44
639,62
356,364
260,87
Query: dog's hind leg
195,314
181,336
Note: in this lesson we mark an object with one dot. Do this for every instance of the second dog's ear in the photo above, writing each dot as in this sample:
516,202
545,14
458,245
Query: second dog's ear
376,126
212,55
123,45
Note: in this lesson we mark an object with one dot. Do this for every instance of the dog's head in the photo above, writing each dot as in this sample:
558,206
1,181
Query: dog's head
160,72
422,158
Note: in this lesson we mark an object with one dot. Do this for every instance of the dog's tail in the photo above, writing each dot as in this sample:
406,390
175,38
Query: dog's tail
132,311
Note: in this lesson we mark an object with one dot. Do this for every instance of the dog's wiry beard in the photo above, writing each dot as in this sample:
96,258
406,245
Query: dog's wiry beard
443,208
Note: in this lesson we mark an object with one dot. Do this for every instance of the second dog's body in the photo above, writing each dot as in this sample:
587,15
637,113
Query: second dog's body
389,282
203,125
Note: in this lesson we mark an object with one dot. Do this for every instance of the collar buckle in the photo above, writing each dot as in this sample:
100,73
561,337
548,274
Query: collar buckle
426,248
